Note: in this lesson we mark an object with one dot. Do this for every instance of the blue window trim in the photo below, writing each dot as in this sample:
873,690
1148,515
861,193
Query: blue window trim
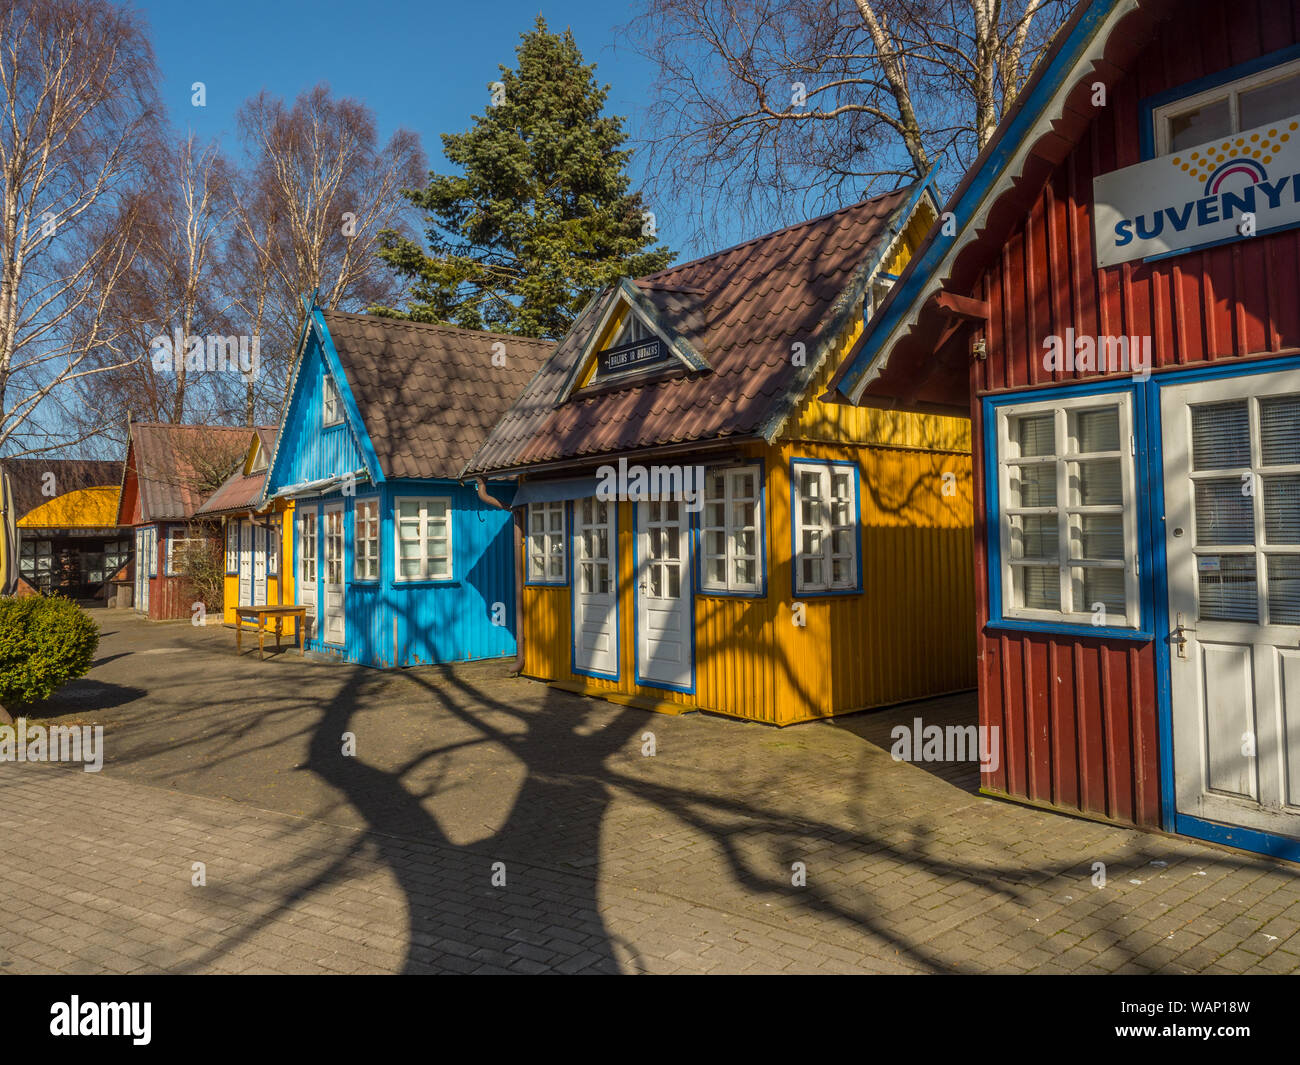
232,524
794,528
1145,631
1171,820
695,531
573,600
565,581
1148,106
689,570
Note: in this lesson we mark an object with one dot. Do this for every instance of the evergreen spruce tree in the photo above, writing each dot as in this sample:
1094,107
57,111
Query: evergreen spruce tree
541,217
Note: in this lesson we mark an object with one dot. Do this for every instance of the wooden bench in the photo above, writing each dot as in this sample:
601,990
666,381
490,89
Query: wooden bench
259,616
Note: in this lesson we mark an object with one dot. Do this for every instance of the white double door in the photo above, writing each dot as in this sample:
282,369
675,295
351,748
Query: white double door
252,564
595,587
664,604
1232,541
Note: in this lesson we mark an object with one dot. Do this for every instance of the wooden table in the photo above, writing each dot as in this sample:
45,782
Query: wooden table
259,616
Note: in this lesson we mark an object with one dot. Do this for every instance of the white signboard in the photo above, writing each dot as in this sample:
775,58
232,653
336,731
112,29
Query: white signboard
1222,190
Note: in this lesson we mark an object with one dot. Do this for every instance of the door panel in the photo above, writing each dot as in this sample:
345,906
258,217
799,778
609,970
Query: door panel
595,587
333,626
307,565
245,564
1232,544
663,599
259,565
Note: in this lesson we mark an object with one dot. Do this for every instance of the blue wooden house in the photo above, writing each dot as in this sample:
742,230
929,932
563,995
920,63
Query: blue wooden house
397,562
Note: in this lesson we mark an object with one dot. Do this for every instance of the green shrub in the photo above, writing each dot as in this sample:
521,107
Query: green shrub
45,641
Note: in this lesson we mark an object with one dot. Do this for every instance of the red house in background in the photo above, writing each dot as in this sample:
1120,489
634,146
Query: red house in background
170,470
1111,296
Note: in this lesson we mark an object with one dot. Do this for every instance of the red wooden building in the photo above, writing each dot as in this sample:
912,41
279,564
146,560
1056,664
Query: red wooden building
1111,296
170,470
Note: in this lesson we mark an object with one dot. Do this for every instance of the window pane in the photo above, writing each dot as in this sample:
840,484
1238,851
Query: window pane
408,508
1279,430
1104,586
746,572
1101,536
1035,433
1269,103
1224,515
716,570
1033,486
1035,536
1282,510
1227,585
1284,589
715,543
1037,587
1220,436
1097,430
1200,124
1098,483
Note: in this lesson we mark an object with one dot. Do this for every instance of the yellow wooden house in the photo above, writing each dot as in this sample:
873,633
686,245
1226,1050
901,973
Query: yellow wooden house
258,535
698,530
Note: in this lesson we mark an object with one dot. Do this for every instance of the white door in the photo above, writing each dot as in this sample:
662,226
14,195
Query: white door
259,565
142,557
1232,536
246,564
595,587
663,599
332,627
306,579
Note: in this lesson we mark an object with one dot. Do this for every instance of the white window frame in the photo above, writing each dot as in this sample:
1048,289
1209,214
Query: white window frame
732,585
371,505
273,531
546,544
1229,90
232,547
425,519
308,533
331,403
1066,456
174,537
798,468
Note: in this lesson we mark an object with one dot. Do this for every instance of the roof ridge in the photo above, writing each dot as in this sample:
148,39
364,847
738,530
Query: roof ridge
439,326
777,232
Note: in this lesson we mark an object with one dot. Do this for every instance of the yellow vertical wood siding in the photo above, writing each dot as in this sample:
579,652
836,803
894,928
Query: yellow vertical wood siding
273,584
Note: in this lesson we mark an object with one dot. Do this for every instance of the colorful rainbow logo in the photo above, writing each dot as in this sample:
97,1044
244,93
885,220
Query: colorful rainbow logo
1254,172
1244,153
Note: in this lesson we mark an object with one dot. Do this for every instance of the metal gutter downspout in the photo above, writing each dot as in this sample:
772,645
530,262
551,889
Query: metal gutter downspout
516,517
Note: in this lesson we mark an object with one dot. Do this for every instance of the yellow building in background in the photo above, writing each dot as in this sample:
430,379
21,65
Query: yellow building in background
699,530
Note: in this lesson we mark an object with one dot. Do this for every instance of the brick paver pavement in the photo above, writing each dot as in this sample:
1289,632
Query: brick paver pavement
613,860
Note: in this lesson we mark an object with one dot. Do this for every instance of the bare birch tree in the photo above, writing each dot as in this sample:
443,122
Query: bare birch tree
320,192
76,89
768,109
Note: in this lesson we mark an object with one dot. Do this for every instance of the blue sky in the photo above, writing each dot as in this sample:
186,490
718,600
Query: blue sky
424,66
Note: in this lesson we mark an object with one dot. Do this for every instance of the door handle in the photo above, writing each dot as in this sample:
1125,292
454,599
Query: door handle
1179,637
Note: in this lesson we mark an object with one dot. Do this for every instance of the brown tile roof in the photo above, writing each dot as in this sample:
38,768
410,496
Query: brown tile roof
174,464
742,309
27,476
237,492
429,394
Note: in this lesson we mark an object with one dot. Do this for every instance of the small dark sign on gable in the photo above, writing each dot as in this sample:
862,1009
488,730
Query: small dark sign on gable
634,356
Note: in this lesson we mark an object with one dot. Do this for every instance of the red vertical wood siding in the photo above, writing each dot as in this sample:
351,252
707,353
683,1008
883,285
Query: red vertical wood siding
1077,716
